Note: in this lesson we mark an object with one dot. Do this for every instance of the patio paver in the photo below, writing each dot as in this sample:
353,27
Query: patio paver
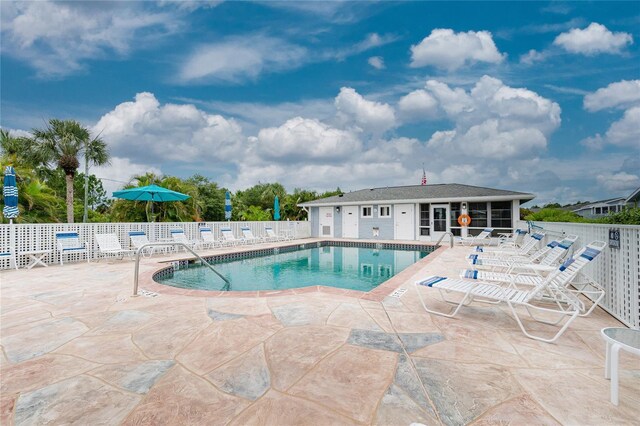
76,347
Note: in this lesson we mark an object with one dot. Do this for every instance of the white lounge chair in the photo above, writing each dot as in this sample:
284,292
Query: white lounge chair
228,239
483,238
486,292
139,238
529,245
179,236
544,260
580,282
69,243
109,245
10,256
272,236
249,238
208,238
512,240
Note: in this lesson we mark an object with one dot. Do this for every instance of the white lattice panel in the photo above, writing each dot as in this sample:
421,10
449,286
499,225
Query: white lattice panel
24,238
619,269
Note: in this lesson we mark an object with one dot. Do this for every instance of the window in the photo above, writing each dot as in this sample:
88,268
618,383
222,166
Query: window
478,213
598,210
424,220
366,211
455,212
605,210
501,214
385,211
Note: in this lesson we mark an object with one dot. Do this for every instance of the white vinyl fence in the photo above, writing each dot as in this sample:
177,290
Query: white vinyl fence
619,269
24,238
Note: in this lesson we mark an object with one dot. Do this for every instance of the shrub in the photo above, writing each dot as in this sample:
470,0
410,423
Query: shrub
628,216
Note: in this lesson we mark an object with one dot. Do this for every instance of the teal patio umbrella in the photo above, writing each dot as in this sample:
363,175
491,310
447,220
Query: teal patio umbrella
276,208
153,193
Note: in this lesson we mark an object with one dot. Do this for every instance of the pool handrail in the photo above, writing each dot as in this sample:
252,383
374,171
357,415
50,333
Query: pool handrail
444,235
137,267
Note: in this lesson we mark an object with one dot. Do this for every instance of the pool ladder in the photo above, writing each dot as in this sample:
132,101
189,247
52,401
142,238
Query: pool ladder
450,238
226,286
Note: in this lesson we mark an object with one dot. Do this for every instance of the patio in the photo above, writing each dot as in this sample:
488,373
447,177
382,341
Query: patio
77,348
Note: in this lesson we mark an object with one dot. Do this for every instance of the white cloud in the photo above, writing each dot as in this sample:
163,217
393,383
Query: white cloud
620,182
626,131
446,49
17,133
190,6
237,59
374,117
493,121
148,132
419,105
594,39
255,115
452,101
307,139
115,175
596,142
621,94
58,38
371,41
241,58
377,62
532,56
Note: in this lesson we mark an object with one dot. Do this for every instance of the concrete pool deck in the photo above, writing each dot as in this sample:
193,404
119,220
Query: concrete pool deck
77,348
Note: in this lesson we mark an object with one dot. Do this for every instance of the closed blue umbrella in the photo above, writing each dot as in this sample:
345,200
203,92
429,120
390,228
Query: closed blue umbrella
276,209
10,193
227,206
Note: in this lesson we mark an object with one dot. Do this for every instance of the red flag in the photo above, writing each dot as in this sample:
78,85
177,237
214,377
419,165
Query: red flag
424,177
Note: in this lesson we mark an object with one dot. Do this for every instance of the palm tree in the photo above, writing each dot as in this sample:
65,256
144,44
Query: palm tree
178,211
62,142
37,202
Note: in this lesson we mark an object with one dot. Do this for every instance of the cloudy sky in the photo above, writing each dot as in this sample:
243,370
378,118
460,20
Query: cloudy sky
533,96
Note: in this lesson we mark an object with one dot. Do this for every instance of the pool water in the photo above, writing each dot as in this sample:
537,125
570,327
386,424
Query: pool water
352,268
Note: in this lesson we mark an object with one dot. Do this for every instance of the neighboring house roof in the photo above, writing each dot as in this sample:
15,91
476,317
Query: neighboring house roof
634,197
587,206
437,192
577,206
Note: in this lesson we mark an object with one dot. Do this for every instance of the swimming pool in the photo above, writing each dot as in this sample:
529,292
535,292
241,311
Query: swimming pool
355,268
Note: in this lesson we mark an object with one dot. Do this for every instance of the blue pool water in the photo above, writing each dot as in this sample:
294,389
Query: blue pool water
353,268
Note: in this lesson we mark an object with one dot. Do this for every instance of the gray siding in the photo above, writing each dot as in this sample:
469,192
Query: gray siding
337,223
314,218
366,224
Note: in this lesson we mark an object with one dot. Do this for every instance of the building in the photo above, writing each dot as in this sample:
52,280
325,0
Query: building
419,212
633,200
601,208
605,207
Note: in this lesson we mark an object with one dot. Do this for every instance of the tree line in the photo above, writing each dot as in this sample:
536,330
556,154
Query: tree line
51,189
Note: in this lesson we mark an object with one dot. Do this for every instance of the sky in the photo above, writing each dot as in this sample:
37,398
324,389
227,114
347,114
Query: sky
540,97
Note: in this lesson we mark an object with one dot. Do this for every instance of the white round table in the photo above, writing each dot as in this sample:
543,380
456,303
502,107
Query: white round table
618,338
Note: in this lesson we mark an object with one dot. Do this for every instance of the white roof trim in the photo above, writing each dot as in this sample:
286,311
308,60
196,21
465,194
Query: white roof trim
633,194
419,200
